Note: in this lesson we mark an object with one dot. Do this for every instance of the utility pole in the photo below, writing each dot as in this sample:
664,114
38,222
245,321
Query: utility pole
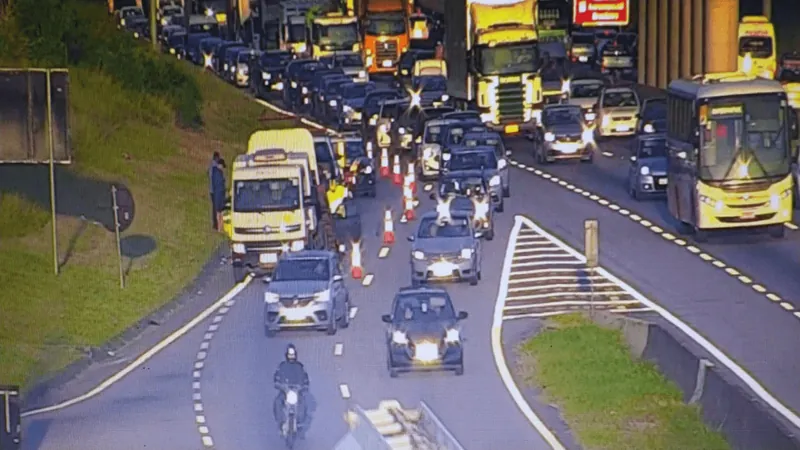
153,29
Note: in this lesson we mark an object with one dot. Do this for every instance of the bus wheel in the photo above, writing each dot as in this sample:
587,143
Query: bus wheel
777,231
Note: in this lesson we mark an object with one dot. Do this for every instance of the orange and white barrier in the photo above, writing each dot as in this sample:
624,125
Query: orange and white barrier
356,269
396,171
388,227
384,163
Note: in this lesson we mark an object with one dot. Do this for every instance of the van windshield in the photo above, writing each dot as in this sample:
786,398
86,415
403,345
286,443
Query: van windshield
280,194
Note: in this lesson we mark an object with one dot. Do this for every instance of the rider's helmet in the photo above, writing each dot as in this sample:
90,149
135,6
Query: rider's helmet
291,353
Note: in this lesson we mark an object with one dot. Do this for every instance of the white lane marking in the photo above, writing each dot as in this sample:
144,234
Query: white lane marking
207,441
538,271
345,391
353,312
547,263
384,252
555,278
631,310
198,407
570,303
136,363
608,154
338,349
200,419
367,280
565,286
536,315
197,396
497,346
541,256
202,430
535,250
196,385
723,358
790,226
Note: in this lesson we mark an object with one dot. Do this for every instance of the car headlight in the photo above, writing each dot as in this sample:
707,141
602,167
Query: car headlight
590,116
401,130
362,74
775,199
304,90
399,337
332,103
298,246
294,84
266,75
164,21
368,170
445,97
271,297
122,22
172,51
453,336
466,253
418,255
323,296
291,397
606,121
238,248
404,72
549,137
494,181
416,100
648,128
347,109
644,170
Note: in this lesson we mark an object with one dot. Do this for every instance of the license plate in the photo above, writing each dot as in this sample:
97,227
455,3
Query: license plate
623,128
295,314
662,181
748,214
583,58
512,128
442,269
267,258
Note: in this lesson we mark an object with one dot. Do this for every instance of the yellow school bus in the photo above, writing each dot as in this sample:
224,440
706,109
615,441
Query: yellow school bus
728,139
757,47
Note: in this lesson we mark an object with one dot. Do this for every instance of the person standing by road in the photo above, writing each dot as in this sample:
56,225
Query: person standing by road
216,181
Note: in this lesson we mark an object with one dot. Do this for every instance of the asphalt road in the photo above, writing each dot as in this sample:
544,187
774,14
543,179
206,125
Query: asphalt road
737,289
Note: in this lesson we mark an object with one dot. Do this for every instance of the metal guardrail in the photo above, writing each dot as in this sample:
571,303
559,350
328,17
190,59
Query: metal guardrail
436,430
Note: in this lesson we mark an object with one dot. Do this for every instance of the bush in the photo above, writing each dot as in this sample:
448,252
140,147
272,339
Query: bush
81,33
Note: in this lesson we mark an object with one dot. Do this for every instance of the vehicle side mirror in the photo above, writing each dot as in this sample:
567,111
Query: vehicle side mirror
386,318
681,155
266,279
432,196
411,238
478,234
794,128
462,315
633,159
337,278
508,152
502,164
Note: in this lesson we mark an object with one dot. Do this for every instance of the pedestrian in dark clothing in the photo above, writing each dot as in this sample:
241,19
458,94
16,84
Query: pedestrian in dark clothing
216,178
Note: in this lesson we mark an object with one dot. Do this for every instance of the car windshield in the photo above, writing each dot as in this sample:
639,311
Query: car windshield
333,86
386,25
586,89
210,28
757,47
266,195
583,39
472,160
243,57
455,134
653,148
463,186
302,269
789,76
373,102
495,142
433,134
430,83
655,109
348,61
275,59
323,152
423,307
297,32
562,116
744,138
393,110
176,39
619,99
337,35
132,12
506,59
457,227
355,90
171,10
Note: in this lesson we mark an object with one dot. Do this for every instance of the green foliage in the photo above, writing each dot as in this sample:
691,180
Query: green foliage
13,47
20,217
81,33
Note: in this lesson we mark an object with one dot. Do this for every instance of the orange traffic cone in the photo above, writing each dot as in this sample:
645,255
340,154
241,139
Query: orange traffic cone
412,178
385,163
408,204
388,227
396,171
356,270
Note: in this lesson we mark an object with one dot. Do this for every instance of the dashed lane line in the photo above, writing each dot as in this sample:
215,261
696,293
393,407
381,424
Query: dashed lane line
690,332
704,256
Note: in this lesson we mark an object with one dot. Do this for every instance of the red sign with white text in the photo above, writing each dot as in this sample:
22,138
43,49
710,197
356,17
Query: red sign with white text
601,13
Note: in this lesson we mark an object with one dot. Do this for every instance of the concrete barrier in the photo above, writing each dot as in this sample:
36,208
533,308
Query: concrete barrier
726,404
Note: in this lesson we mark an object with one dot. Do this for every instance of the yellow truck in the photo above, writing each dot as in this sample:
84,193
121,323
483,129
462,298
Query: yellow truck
334,33
275,204
492,54
757,47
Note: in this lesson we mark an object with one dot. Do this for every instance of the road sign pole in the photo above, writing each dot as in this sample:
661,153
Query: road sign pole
54,227
116,234
592,253
153,28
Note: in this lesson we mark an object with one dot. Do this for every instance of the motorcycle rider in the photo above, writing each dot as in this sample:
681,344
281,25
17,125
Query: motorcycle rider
290,372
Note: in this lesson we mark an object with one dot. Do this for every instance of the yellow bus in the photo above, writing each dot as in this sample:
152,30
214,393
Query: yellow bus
757,47
730,165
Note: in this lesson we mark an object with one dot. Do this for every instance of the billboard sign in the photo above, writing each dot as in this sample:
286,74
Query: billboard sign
601,13
23,116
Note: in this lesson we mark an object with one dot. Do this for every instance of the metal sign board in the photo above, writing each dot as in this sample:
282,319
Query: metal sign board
24,116
601,13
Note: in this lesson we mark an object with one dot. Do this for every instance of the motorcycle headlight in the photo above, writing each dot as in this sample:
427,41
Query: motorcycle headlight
238,248
404,72
644,170
172,51
271,297
323,296
347,109
294,84
401,130
494,181
453,336
445,97
291,398
298,246
419,255
368,170
466,253
267,76
304,90
399,337
332,103
648,128
549,137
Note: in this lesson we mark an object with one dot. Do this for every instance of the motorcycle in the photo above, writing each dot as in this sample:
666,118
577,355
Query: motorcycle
289,427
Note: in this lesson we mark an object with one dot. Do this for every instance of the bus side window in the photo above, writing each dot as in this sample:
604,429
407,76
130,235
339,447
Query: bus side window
793,125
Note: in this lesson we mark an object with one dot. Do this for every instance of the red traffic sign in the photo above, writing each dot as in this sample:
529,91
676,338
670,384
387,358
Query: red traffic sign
601,13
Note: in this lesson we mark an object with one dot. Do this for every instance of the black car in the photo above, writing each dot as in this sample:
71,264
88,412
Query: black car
207,47
266,74
350,104
372,108
617,60
323,89
226,59
193,51
653,116
583,49
423,332
360,168
176,44
429,90
647,174
320,75
454,133
333,96
405,67
297,80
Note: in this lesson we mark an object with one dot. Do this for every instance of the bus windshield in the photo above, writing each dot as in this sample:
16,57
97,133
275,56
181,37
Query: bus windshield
340,37
386,25
744,138
508,59
757,47
266,195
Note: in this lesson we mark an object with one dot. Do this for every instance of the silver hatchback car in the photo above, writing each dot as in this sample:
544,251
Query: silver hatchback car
445,247
306,291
